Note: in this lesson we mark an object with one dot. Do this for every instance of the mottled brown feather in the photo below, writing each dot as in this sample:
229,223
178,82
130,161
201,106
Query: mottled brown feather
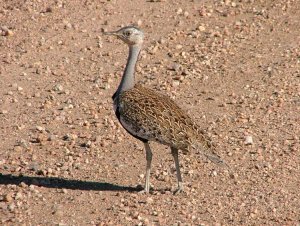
155,117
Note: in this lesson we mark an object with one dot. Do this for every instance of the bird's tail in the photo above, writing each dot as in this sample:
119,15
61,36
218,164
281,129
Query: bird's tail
206,148
210,155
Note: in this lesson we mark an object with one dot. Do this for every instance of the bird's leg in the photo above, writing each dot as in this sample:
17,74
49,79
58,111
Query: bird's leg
148,167
176,160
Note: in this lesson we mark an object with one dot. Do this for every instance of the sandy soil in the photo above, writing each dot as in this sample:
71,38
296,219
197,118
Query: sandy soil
64,158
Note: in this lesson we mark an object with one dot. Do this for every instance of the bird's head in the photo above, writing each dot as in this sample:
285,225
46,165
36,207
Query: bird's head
130,35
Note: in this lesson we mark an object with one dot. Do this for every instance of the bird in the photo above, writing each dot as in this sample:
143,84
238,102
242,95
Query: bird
149,115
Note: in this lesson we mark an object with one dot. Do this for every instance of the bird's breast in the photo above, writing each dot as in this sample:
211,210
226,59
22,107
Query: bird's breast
115,106
136,130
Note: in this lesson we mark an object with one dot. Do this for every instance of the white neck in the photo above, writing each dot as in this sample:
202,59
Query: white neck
128,78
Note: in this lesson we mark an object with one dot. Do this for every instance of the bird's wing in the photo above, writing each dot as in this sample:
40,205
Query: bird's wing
154,116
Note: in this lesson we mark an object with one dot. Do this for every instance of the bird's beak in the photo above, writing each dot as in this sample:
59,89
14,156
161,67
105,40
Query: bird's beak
114,33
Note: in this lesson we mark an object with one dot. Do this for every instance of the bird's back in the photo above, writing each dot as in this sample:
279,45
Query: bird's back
155,117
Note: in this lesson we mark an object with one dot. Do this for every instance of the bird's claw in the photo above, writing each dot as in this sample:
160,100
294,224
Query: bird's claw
178,191
143,192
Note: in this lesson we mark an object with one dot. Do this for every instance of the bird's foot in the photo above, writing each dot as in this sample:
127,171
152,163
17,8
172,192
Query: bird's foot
145,191
179,189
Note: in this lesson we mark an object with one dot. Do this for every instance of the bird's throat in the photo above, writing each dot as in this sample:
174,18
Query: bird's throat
128,79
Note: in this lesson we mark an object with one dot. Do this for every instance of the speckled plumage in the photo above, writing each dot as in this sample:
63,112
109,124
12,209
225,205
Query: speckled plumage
150,116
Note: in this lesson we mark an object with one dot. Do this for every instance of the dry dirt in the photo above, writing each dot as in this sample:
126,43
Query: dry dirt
233,65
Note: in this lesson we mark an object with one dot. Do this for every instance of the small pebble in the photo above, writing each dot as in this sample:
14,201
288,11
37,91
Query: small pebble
248,140
40,128
179,11
178,46
149,200
186,14
19,196
5,31
11,207
201,28
176,83
8,197
58,87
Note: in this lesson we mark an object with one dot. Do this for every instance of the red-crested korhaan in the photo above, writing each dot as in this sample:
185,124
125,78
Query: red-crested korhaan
150,116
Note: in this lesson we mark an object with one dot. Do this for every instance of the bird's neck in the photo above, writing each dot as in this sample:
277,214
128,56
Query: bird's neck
128,79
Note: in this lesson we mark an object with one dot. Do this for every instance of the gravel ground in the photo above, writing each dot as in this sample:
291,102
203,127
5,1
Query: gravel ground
64,158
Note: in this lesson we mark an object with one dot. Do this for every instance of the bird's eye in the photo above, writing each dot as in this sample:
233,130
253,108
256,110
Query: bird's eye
127,33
